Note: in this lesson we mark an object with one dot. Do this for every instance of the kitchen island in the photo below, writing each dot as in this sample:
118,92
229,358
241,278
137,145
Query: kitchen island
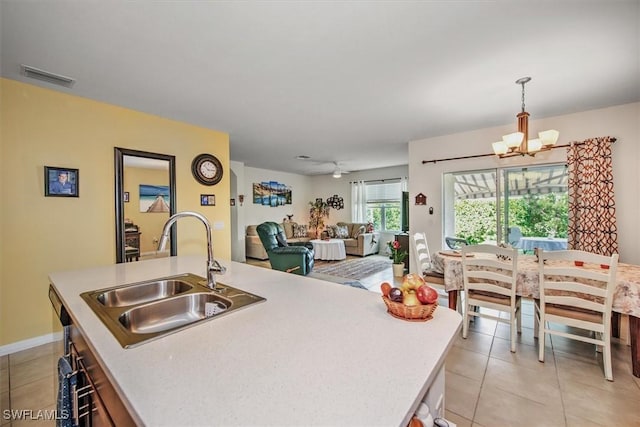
314,353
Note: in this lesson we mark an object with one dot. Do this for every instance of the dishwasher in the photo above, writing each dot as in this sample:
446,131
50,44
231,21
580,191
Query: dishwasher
85,395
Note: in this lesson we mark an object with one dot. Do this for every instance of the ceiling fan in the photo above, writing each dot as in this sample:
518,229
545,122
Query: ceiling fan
338,171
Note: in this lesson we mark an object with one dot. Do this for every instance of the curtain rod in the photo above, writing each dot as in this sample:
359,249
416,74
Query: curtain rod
379,180
488,155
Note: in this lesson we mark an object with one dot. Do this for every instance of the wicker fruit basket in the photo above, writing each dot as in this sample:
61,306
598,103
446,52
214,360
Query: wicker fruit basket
415,313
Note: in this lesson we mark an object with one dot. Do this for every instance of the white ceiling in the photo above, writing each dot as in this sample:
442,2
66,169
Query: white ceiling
350,82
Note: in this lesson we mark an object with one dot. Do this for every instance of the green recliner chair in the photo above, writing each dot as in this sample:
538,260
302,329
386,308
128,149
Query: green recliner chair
293,258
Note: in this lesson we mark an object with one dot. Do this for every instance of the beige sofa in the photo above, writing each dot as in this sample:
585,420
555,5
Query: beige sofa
359,244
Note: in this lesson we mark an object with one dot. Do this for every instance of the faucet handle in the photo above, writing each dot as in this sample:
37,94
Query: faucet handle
217,267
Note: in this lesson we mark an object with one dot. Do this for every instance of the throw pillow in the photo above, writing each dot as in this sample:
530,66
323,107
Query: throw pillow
358,232
288,229
300,230
282,241
332,231
342,232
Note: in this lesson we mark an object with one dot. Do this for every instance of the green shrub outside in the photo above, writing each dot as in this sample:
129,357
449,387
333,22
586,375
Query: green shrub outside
536,215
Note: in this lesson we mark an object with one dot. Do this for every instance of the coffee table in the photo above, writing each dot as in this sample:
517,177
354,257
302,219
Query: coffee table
329,250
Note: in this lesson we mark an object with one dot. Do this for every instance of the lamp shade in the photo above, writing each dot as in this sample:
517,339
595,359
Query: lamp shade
549,137
500,148
513,140
534,145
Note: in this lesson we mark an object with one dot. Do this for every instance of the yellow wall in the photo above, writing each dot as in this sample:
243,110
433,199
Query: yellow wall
41,234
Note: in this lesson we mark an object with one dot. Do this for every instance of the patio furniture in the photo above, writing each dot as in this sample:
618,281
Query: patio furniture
455,242
546,243
515,234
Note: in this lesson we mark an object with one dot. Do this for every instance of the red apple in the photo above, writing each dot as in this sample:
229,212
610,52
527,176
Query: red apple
426,294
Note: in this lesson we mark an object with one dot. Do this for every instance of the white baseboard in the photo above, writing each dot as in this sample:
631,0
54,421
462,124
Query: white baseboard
30,343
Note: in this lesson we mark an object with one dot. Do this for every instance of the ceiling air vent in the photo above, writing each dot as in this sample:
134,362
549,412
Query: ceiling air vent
45,76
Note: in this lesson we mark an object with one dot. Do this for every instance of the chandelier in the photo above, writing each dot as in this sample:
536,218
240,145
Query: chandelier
518,143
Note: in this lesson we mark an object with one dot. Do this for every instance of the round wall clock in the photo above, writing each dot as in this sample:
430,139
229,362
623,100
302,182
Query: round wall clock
206,169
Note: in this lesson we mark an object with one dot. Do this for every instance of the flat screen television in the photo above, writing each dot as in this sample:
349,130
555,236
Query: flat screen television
405,212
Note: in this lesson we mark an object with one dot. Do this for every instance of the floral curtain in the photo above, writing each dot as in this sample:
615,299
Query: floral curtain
592,211
358,202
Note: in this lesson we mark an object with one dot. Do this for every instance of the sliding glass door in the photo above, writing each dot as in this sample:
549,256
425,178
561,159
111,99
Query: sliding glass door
470,205
535,206
504,205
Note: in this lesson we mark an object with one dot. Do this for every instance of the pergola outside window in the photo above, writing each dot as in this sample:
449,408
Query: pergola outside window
496,205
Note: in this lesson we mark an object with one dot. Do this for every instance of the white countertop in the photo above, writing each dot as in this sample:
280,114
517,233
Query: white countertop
314,353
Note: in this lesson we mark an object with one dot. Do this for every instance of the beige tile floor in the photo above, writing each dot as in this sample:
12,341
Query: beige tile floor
28,381
486,384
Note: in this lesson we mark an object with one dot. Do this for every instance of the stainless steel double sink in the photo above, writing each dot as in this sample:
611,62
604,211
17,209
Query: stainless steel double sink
139,312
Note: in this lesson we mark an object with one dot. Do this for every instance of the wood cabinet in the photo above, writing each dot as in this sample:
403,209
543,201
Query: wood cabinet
132,238
403,239
132,242
94,401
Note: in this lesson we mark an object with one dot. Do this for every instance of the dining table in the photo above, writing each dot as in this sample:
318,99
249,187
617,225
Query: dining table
626,297
546,243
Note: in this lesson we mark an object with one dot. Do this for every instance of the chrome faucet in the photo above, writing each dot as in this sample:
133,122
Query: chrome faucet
213,266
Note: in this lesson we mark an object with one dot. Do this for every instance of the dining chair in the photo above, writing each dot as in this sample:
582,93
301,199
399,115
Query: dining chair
576,291
423,263
489,274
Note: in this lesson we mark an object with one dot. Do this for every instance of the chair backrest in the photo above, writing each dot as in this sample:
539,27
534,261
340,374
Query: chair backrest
483,271
455,242
421,252
588,286
514,235
268,232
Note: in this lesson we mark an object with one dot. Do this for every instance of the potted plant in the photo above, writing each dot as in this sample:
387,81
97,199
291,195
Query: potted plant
317,213
398,257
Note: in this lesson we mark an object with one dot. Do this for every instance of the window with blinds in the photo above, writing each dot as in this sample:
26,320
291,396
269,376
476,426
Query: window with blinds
384,204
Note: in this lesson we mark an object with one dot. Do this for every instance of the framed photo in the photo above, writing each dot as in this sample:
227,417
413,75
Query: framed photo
154,198
61,182
125,198
233,202
207,200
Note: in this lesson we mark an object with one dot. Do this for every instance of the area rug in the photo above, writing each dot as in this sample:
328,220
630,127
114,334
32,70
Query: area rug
355,268
336,279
